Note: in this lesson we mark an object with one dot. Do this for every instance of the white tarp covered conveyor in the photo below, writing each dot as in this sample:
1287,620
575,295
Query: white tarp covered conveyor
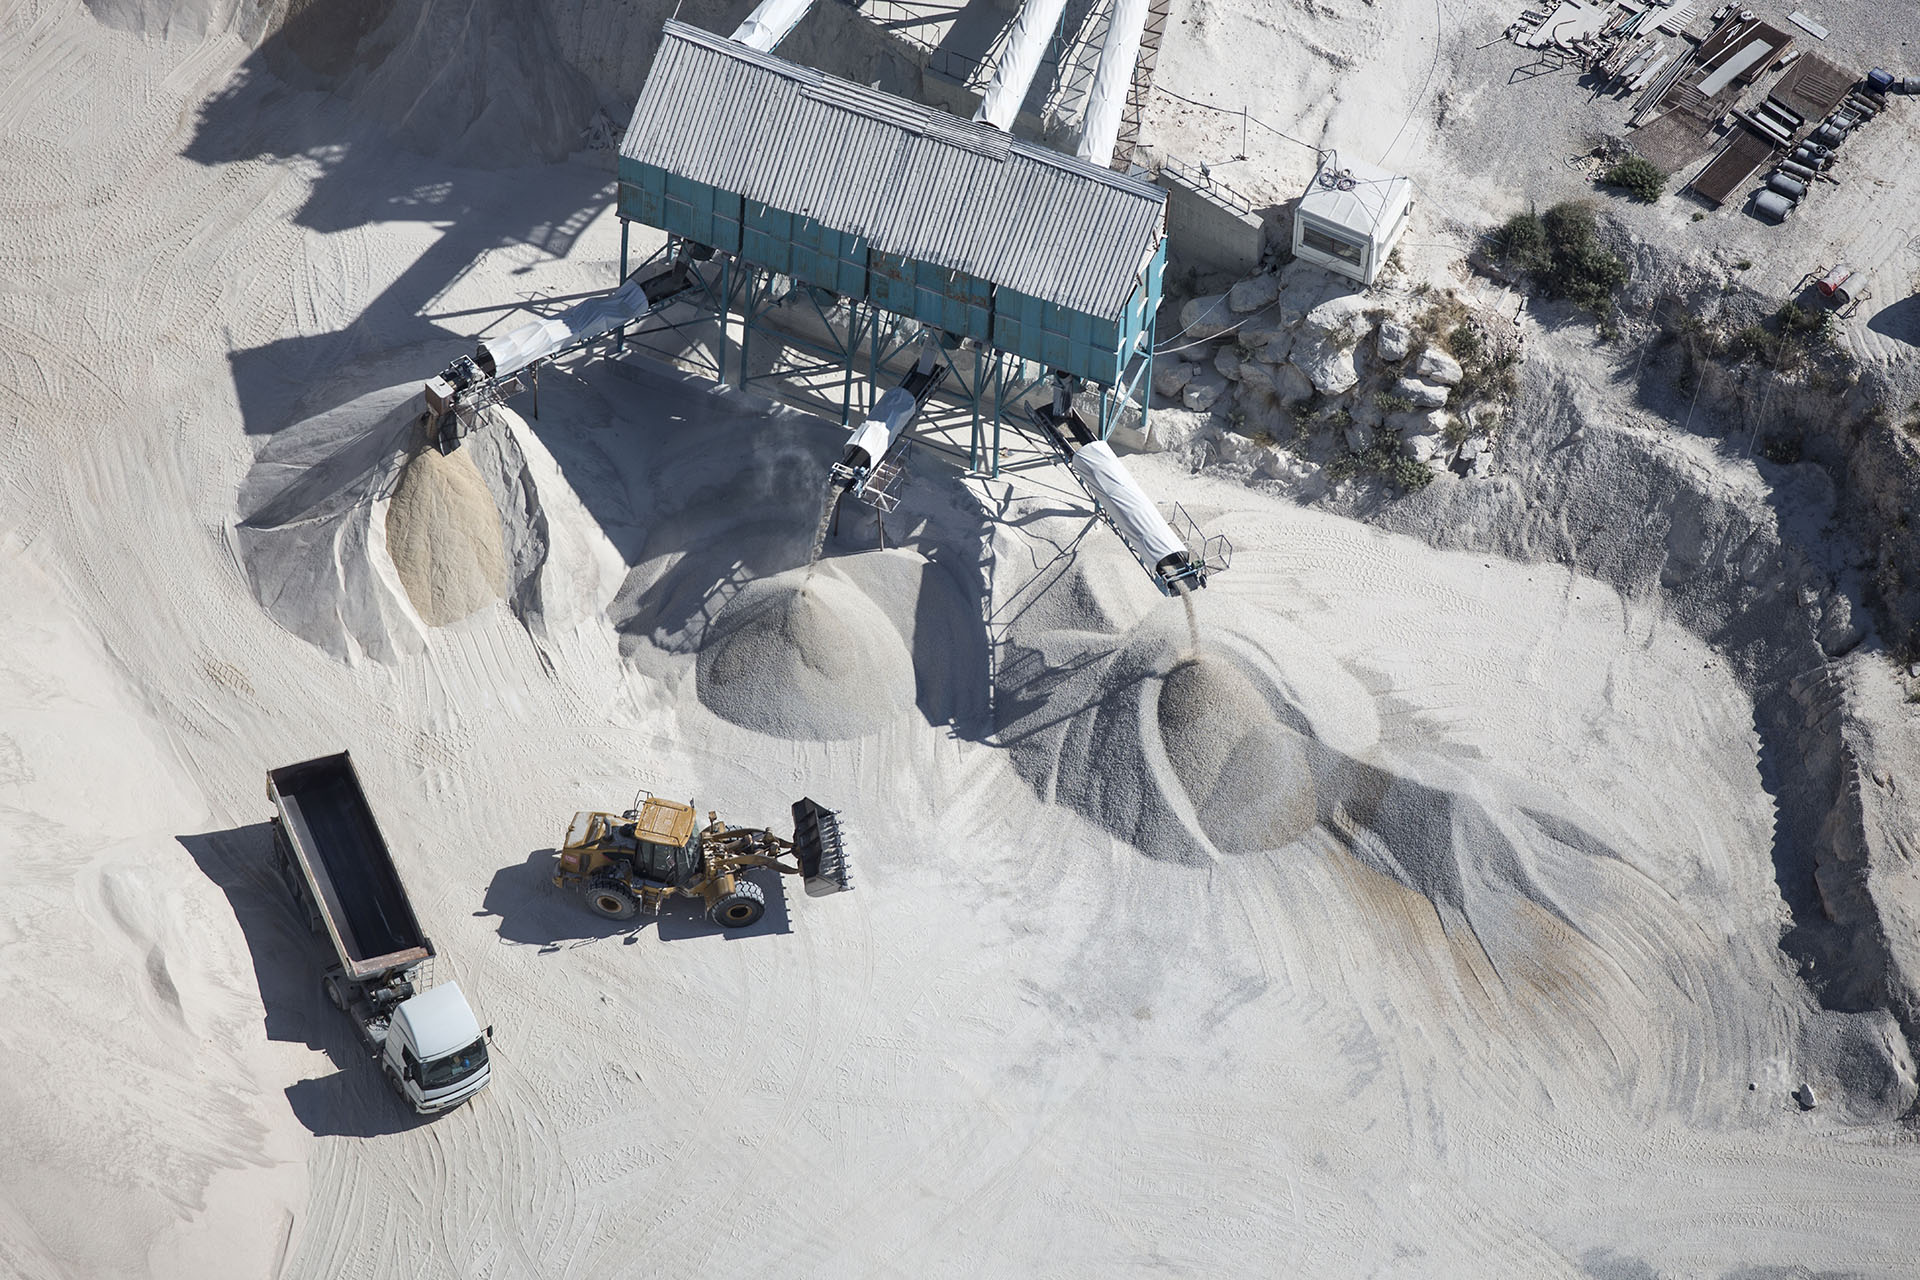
1112,79
891,415
1133,515
769,23
539,339
1019,62
883,426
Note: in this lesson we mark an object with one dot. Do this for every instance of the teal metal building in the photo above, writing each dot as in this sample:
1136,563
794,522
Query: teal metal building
897,206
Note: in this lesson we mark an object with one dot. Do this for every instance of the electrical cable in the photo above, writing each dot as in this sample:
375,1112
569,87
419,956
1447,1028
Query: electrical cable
1439,29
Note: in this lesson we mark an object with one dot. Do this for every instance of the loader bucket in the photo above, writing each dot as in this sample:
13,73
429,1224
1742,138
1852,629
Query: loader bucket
816,841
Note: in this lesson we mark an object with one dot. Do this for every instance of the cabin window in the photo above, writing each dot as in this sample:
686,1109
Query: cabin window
1333,246
455,1067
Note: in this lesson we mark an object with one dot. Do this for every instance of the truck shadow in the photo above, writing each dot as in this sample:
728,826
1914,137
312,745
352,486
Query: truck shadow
354,1101
531,911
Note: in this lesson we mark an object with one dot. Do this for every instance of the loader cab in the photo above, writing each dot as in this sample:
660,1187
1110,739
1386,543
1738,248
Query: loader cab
666,850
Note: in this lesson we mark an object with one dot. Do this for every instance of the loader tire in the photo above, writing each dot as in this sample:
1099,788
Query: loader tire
746,904
334,993
608,897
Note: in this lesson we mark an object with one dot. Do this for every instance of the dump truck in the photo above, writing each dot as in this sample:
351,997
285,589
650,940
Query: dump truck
634,861
337,866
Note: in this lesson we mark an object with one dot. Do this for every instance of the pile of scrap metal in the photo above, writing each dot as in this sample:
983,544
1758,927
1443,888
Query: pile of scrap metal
1794,176
1603,35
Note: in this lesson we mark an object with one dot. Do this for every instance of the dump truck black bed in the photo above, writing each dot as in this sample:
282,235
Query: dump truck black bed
337,848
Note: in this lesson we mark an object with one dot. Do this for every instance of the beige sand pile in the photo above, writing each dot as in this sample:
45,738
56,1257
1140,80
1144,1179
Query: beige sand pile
804,655
1248,776
443,533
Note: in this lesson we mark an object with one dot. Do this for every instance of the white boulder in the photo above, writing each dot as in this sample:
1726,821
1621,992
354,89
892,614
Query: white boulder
1330,366
1424,395
1437,366
1253,294
1291,385
1170,377
1393,341
1206,387
1206,316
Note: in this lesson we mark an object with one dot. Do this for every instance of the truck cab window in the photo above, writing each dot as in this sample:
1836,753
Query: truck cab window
454,1067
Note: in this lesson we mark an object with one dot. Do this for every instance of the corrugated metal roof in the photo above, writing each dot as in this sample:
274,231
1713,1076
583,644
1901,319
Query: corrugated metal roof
912,180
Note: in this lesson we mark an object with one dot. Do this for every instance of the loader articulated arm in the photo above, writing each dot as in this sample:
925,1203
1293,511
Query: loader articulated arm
816,847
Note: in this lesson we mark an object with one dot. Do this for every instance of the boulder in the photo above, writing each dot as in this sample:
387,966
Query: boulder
1417,422
1174,428
1276,345
1259,333
1206,316
1226,363
1194,352
1257,379
1393,341
1291,385
1424,395
1301,290
1170,377
1253,294
1839,633
1344,313
1420,448
1437,366
1206,387
1330,366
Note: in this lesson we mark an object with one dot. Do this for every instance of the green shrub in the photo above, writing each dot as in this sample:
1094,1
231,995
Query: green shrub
1640,176
1387,402
1521,242
1407,475
1464,342
1580,269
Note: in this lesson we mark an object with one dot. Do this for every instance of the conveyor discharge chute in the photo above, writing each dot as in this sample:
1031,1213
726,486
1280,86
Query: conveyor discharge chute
892,413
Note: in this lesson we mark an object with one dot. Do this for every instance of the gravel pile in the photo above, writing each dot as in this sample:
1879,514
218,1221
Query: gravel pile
802,655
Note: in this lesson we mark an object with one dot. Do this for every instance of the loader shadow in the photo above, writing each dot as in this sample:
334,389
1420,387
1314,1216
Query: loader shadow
532,911
354,1101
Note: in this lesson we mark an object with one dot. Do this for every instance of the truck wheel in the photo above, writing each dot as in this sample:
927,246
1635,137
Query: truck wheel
740,908
612,899
334,993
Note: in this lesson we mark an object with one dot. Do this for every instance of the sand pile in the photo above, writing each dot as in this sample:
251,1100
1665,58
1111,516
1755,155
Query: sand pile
1248,776
805,656
443,535
310,530
1190,758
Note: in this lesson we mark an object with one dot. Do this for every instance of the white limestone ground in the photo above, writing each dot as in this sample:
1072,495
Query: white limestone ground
1424,924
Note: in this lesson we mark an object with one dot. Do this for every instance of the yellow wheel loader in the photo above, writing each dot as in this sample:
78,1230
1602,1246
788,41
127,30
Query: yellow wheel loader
629,862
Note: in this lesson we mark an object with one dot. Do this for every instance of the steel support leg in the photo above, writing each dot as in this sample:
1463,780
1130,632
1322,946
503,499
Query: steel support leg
999,386
620,342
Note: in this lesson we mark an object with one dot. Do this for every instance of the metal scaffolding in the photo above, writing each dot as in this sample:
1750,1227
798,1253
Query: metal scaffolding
729,292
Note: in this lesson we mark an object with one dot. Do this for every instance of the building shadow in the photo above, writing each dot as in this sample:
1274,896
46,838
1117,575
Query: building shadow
532,911
276,109
288,960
